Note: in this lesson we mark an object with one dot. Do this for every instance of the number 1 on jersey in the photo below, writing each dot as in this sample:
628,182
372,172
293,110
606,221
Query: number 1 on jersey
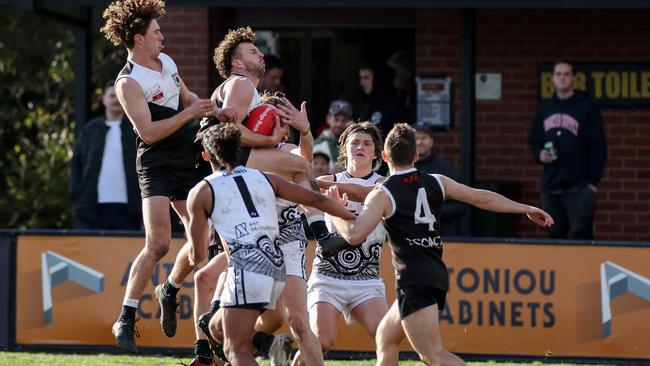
422,214
246,196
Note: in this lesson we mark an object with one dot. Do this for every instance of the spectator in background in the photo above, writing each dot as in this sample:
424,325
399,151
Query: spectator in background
320,164
402,64
378,104
428,162
272,81
568,138
339,117
103,182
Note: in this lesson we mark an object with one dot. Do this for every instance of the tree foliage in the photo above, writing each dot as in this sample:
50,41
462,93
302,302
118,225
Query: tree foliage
36,99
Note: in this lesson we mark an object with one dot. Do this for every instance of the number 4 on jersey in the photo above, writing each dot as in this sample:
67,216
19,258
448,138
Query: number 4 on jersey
422,214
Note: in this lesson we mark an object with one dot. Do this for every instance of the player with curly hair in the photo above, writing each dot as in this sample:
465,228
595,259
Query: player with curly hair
160,106
241,63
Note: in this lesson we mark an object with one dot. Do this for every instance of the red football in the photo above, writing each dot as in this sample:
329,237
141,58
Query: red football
262,119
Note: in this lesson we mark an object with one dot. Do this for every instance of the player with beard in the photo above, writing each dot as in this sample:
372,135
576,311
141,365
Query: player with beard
242,64
292,240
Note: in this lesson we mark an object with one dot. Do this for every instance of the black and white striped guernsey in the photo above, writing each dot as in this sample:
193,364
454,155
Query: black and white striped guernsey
162,91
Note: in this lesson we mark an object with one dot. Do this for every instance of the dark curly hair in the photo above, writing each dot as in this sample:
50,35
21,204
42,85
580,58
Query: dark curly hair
400,144
126,18
222,142
362,127
224,51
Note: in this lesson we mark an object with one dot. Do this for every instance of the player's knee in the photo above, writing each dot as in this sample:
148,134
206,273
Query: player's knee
380,337
269,324
387,334
158,247
202,278
235,350
299,326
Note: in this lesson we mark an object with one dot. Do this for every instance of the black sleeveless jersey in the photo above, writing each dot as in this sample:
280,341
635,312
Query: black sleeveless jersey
413,229
162,93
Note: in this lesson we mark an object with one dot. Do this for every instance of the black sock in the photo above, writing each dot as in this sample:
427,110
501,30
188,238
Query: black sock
319,229
215,306
262,342
128,312
169,289
202,351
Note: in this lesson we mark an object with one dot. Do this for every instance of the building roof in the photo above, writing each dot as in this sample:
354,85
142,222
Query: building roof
567,4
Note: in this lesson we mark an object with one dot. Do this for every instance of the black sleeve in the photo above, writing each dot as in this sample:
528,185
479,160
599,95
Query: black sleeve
536,138
76,165
597,144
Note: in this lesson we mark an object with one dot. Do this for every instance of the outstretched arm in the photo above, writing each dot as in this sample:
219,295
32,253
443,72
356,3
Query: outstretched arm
355,192
199,203
491,201
295,193
375,207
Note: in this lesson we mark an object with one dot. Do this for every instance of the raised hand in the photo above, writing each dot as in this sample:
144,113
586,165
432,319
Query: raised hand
333,193
294,117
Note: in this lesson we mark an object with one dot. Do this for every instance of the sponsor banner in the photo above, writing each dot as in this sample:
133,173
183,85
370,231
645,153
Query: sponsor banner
611,84
504,299
537,300
69,290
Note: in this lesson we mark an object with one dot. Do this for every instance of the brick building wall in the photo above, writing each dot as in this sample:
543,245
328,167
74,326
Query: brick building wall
186,33
513,42
510,42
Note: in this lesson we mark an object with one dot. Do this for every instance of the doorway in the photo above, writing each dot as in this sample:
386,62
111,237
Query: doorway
321,51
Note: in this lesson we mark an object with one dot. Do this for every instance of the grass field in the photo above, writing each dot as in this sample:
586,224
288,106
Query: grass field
50,359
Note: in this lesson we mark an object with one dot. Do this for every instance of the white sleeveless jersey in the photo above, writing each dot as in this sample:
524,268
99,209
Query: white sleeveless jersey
255,101
244,215
159,88
359,262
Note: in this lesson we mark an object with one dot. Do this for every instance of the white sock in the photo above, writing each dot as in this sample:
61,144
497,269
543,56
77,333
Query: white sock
315,217
217,297
132,303
171,282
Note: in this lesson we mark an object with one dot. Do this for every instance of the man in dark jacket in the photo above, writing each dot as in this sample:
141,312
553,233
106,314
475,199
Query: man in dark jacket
103,182
430,163
379,103
568,138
